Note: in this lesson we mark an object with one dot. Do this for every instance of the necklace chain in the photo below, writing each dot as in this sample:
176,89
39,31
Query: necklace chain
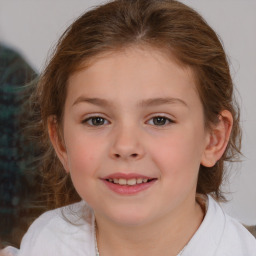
95,239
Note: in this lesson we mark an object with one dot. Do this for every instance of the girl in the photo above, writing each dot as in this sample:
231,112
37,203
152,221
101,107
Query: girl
138,104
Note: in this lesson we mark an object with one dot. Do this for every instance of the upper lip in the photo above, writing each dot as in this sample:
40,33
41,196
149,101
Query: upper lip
126,176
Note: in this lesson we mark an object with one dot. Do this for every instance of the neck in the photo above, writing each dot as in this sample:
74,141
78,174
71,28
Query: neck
166,236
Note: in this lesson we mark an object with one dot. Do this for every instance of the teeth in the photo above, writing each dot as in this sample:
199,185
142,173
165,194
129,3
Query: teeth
122,182
139,181
129,182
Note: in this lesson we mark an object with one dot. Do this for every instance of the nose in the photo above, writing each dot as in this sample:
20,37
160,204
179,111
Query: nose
127,144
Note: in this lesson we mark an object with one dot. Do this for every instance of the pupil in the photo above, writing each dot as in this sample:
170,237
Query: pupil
159,120
98,121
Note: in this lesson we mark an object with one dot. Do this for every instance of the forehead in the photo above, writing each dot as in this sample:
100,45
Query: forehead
136,72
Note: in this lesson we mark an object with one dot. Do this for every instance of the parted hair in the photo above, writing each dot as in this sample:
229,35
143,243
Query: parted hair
164,25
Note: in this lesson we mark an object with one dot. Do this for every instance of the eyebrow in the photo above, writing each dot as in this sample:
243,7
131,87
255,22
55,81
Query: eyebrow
143,103
94,101
161,101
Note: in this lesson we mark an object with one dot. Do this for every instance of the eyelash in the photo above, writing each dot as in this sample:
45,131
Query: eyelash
166,119
86,121
90,119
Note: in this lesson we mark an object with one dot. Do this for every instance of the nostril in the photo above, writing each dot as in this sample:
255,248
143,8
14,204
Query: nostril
134,155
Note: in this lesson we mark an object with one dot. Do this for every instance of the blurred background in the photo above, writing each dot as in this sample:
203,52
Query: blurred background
29,29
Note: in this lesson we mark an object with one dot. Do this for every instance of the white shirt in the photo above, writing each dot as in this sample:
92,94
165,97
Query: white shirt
70,231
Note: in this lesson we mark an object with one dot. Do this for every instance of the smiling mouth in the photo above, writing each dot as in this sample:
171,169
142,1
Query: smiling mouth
129,182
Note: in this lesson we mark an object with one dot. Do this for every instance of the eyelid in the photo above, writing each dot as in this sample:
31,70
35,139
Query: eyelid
167,117
90,117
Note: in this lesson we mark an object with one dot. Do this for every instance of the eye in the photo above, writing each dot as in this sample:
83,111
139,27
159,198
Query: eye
160,121
95,121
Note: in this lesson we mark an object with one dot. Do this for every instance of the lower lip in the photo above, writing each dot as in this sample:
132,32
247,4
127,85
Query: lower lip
128,190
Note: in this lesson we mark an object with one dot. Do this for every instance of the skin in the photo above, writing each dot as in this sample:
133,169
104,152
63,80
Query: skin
161,219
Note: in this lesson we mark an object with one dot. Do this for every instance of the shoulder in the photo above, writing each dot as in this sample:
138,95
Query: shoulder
236,239
9,251
220,235
56,232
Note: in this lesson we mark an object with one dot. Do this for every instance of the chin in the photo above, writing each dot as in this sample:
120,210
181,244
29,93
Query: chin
130,217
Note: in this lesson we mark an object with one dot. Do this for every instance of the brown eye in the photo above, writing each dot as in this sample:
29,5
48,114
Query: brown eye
95,121
160,121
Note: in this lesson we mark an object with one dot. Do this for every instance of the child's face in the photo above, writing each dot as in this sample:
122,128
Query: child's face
149,124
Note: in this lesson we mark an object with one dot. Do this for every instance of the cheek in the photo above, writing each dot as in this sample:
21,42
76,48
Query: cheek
83,155
178,155
84,160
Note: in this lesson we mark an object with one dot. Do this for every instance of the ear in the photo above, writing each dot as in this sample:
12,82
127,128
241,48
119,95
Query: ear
57,141
217,139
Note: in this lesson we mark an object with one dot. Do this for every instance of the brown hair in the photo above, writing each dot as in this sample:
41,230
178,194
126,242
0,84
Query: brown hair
165,25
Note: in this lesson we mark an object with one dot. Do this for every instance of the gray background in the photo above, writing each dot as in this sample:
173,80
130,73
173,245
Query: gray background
33,26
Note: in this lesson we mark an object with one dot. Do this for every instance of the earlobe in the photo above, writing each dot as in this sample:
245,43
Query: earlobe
217,139
57,142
